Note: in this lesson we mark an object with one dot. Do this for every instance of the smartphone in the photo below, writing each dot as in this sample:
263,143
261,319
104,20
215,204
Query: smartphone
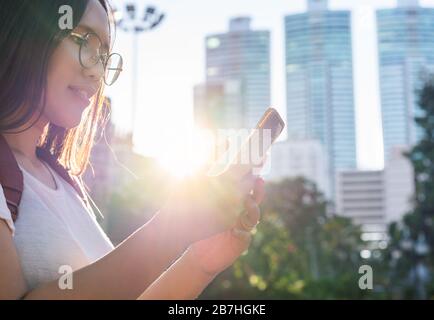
249,154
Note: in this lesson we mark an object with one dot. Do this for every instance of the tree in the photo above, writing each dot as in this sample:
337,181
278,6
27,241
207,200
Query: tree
298,251
410,253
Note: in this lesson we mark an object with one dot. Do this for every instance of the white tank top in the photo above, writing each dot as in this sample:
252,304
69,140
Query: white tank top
54,228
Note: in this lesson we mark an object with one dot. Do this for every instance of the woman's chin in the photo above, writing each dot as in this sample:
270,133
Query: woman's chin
68,123
73,123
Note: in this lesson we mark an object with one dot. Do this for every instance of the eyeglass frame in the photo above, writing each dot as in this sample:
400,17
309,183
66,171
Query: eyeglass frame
103,58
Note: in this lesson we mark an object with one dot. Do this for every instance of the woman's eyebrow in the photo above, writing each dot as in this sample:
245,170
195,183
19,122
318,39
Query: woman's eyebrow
89,29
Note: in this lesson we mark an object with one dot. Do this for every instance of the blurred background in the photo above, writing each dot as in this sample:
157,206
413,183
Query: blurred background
350,182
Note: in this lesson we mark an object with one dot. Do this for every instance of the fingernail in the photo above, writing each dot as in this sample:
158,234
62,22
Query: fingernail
246,223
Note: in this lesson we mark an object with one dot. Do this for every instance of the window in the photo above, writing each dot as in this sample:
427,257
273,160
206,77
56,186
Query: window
213,43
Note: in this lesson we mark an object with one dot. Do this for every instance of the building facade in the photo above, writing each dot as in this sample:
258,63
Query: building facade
373,199
406,56
238,61
319,82
299,158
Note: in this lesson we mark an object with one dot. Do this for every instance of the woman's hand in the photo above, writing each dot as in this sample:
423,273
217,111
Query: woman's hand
216,253
189,275
202,206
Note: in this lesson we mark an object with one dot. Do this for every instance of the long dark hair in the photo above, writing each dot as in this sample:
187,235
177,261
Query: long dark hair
29,34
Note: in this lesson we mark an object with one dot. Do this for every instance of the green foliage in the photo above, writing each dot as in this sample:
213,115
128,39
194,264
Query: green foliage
298,251
405,251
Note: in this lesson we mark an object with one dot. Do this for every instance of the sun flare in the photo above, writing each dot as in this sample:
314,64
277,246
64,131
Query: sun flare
187,153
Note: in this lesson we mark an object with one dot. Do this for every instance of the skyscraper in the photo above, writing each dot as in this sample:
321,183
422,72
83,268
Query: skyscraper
406,52
238,66
319,82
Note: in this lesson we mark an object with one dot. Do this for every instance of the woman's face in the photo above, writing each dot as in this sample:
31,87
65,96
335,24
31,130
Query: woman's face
70,87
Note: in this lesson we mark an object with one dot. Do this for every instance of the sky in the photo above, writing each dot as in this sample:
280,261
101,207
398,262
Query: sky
171,61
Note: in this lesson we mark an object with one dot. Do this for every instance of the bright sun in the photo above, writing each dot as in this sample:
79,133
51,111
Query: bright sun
187,153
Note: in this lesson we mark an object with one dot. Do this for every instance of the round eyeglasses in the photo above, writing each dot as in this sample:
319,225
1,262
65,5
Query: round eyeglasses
91,52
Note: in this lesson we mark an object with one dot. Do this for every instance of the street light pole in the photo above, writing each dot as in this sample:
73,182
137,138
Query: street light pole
132,23
135,80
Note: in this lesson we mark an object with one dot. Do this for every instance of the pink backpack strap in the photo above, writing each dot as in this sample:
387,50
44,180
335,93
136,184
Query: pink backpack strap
11,178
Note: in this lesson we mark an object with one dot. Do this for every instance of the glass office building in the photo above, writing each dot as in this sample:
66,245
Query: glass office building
406,54
319,82
239,62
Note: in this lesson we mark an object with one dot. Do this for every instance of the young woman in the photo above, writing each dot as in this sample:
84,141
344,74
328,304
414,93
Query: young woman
51,86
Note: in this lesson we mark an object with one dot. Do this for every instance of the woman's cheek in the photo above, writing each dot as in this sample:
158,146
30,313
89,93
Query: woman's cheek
60,107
